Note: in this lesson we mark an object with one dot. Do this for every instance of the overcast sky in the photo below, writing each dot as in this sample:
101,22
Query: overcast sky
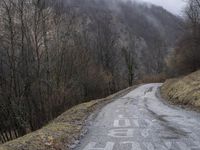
174,6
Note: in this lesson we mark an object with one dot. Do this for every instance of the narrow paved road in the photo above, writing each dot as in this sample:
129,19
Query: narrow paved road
141,121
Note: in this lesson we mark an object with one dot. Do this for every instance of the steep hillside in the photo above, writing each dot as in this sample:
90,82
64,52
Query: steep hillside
183,90
57,54
147,30
156,31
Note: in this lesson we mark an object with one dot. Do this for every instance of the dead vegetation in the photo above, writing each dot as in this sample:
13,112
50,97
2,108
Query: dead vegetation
159,78
63,131
184,90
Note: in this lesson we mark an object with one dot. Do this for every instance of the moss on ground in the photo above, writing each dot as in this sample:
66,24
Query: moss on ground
63,131
183,91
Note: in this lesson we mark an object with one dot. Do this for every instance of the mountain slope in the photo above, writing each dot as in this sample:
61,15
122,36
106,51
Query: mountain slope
152,29
57,54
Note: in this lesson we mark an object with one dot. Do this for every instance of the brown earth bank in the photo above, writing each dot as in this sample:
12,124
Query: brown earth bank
183,91
65,130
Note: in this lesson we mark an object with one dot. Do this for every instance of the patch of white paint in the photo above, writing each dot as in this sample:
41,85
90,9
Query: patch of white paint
134,145
91,146
124,123
136,123
183,146
120,116
145,133
168,144
121,133
149,146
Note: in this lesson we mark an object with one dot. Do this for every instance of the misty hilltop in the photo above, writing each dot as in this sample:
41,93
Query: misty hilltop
148,30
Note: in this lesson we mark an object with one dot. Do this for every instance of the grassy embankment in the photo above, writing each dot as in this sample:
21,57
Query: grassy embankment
64,130
184,91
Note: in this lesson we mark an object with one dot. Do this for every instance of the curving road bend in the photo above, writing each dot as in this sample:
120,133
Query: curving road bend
141,121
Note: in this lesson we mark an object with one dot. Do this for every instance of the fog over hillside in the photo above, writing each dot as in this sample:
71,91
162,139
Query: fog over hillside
174,6
148,24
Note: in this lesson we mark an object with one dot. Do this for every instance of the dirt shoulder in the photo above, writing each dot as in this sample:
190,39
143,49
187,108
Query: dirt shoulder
184,91
64,130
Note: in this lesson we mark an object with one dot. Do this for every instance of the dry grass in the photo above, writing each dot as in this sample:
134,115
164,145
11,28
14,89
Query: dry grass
63,131
153,78
183,91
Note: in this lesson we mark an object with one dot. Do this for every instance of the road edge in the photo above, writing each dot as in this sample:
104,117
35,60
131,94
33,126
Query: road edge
64,131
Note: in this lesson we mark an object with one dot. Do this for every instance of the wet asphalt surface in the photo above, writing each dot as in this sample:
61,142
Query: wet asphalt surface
142,121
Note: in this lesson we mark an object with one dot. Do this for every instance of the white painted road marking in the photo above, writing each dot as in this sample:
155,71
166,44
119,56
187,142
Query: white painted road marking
120,116
145,133
136,123
121,133
91,146
134,145
149,123
168,144
124,123
149,146
182,146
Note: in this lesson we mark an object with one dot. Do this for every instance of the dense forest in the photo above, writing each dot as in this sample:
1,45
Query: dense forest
58,53
185,58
